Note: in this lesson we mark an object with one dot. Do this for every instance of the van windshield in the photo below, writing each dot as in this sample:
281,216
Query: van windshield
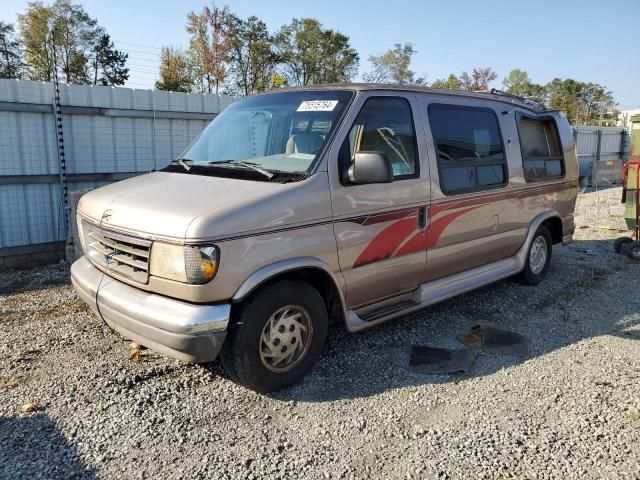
281,132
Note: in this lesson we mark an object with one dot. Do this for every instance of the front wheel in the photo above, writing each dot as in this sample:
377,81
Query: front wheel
276,336
538,258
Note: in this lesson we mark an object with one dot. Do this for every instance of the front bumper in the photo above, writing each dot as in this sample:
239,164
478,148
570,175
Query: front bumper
182,330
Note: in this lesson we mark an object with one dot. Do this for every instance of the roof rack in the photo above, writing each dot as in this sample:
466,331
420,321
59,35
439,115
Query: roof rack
537,106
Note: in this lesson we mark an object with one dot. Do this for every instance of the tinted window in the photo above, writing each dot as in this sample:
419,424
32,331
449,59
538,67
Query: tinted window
469,146
385,124
540,146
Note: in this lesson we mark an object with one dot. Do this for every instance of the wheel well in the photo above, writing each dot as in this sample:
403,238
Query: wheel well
554,224
322,282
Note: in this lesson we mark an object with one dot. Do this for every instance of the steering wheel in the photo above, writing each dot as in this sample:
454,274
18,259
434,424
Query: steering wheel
446,156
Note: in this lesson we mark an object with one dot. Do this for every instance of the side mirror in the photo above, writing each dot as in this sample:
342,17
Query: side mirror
370,167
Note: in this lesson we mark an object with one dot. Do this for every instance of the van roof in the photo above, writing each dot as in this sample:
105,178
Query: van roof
493,94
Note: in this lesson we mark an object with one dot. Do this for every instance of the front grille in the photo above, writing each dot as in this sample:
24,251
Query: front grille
117,254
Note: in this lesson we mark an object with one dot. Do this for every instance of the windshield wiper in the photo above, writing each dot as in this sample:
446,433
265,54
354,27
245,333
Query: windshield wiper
183,163
250,165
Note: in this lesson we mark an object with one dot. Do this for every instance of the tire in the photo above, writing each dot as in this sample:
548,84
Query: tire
617,245
535,269
632,250
252,353
626,247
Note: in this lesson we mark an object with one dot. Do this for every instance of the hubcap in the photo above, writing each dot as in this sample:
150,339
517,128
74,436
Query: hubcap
538,255
285,338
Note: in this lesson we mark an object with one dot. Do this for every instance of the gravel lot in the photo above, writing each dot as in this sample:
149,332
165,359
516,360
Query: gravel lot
571,411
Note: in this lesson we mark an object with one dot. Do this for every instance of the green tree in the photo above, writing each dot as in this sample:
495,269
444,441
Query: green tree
34,31
71,29
478,79
109,64
393,67
564,95
252,56
596,102
10,52
175,71
582,102
519,83
452,82
310,54
210,45
75,35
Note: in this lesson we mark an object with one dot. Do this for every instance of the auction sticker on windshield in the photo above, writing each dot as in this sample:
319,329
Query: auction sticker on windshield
317,106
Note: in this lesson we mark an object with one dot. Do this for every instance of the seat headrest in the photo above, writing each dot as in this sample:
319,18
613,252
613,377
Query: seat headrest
305,143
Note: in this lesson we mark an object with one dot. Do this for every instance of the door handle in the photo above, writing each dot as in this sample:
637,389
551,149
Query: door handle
422,217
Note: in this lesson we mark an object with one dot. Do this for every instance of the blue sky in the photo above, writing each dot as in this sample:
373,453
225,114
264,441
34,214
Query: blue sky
588,40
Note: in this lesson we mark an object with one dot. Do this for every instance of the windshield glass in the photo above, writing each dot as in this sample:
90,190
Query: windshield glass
276,132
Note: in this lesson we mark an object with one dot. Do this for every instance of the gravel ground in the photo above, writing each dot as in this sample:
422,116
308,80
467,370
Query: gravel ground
570,411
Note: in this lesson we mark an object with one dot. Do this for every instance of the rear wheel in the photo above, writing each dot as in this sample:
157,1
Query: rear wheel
276,336
538,258
620,242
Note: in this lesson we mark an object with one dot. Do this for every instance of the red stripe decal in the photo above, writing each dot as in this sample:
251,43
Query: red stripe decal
389,242
425,239
381,217
386,242
417,243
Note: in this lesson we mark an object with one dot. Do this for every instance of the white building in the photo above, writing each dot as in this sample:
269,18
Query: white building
625,115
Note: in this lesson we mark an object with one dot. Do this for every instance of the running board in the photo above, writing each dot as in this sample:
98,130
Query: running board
436,291
385,311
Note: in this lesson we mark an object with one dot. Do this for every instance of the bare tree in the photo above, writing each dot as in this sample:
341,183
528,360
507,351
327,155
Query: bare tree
478,80
393,67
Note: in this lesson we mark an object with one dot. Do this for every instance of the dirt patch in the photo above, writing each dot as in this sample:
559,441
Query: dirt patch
558,299
594,278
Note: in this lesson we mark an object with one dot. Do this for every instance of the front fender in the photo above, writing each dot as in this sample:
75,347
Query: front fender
269,272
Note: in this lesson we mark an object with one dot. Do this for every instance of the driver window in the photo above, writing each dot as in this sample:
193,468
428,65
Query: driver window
385,124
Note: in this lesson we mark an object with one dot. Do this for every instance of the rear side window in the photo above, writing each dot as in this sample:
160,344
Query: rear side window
469,147
541,152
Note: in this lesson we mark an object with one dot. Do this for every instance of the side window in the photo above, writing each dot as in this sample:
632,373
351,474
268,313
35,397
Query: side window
541,153
385,124
469,146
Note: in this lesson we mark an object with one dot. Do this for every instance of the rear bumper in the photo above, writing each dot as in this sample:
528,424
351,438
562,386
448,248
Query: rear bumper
186,331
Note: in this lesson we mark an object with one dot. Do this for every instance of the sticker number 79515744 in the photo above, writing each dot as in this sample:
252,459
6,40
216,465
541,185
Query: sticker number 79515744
317,106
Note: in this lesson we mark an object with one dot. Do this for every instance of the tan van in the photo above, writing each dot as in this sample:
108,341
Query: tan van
353,203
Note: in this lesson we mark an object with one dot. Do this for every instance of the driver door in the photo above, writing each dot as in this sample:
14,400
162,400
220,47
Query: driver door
381,228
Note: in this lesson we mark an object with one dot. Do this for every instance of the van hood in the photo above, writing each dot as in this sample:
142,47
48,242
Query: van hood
183,206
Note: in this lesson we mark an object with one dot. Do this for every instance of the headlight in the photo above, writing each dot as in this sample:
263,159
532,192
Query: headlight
183,263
